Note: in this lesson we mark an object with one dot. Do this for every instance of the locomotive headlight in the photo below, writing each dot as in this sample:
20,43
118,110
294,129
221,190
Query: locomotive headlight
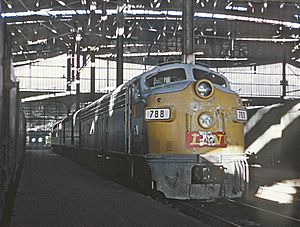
206,120
204,89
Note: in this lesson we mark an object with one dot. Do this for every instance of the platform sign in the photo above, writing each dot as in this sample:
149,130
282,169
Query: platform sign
205,139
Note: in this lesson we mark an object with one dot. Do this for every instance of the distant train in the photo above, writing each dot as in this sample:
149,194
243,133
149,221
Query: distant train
38,139
177,129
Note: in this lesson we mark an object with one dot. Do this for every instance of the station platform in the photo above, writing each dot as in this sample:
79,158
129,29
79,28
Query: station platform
55,191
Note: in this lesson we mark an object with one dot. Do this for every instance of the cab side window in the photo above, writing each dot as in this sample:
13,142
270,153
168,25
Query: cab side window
135,91
165,77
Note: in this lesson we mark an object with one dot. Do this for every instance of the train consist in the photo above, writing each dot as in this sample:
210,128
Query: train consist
177,129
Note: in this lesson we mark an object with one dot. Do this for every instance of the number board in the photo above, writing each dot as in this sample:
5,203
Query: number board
157,114
241,115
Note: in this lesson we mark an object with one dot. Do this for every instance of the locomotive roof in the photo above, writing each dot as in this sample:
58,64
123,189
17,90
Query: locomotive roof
177,65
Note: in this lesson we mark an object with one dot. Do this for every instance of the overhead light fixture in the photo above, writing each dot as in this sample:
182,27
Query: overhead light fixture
283,40
93,6
265,4
215,3
104,17
282,5
129,35
61,2
41,41
236,8
46,10
152,54
222,59
43,97
23,52
8,3
78,37
230,3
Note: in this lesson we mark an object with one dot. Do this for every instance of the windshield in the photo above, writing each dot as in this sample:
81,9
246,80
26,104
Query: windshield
165,77
214,78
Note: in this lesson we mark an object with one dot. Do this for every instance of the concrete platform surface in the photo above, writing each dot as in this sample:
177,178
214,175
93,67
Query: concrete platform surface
55,191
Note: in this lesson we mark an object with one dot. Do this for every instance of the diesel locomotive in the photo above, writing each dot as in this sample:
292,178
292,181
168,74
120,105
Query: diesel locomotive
177,129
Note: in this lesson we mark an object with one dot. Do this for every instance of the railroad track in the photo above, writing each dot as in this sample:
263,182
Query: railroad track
232,213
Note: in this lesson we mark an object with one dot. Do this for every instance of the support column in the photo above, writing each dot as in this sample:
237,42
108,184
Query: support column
120,32
92,53
284,82
73,67
69,71
93,72
107,72
188,31
77,73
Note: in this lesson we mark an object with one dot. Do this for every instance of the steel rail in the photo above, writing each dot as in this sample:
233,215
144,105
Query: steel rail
203,216
264,210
